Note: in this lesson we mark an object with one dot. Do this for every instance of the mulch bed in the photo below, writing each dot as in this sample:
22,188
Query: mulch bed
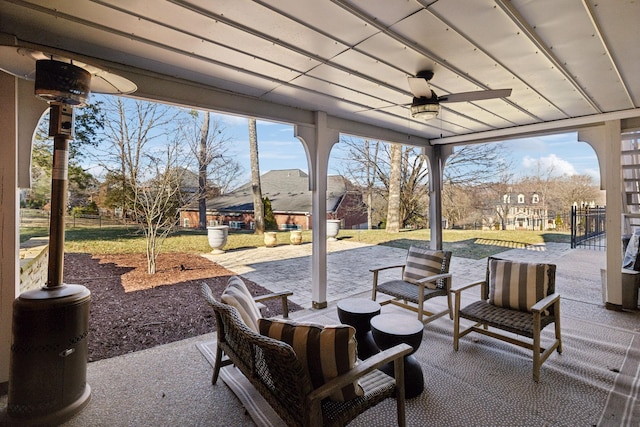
132,310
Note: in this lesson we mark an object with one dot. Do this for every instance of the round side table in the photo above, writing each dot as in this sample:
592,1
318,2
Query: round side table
392,329
358,312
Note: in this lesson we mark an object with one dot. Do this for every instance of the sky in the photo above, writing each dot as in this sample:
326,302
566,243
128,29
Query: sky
279,149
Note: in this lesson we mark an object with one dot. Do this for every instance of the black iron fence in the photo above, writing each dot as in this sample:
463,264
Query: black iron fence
588,227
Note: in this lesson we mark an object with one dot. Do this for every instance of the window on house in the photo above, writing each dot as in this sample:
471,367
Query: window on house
535,198
520,198
186,223
506,199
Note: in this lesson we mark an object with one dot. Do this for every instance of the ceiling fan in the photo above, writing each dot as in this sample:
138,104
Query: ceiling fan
426,104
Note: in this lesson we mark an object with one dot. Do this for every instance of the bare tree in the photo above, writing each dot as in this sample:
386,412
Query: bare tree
543,181
258,203
158,200
468,169
477,163
370,180
473,169
413,188
361,169
130,130
395,177
501,190
576,189
210,147
203,163
368,164
135,150
458,203
223,175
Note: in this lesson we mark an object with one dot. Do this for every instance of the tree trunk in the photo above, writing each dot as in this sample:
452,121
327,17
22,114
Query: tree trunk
371,177
258,205
202,173
369,208
393,210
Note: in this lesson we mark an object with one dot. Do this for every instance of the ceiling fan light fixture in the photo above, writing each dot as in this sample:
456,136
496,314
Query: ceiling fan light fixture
425,112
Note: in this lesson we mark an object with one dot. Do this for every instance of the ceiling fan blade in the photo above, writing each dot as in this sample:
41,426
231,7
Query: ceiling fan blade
419,87
475,96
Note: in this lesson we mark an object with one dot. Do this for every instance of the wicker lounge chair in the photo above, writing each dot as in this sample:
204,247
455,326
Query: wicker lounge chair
425,275
277,373
517,298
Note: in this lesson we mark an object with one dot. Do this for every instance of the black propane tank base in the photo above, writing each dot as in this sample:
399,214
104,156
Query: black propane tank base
48,371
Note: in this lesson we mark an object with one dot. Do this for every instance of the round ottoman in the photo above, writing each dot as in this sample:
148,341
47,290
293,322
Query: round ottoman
392,329
358,312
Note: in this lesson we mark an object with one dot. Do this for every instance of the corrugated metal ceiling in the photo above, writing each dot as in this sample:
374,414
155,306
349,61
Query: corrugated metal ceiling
563,59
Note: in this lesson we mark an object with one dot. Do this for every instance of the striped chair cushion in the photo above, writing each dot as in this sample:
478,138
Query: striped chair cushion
325,351
517,285
237,295
423,262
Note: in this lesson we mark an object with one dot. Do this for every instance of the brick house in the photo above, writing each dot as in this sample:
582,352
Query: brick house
288,191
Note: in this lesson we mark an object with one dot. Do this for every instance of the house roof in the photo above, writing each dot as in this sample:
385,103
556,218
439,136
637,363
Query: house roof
288,191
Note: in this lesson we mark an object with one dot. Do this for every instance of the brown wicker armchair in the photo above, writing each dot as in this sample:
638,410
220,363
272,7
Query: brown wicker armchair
279,376
425,275
517,298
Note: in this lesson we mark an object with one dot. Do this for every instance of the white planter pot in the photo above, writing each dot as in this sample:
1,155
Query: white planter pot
217,237
270,239
333,228
295,237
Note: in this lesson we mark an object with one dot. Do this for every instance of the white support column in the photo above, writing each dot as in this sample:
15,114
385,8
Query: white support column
318,142
20,112
9,206
605,140
436,156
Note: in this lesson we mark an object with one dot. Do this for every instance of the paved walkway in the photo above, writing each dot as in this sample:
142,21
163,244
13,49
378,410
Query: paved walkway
288,267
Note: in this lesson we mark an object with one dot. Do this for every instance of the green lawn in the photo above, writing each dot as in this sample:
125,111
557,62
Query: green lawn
463,243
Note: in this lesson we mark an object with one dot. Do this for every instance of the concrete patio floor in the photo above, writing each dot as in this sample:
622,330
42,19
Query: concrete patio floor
170,385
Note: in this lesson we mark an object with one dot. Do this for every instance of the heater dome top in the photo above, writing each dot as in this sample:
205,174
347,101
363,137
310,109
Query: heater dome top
21,62
62,82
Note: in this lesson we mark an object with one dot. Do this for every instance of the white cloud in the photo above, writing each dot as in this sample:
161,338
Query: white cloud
549,164
232,120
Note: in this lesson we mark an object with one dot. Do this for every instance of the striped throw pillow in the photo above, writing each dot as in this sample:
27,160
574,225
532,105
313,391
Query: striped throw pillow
325,351
237,295
517,285
423,262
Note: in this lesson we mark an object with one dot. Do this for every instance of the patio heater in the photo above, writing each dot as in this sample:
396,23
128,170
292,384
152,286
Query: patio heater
47,379
47,382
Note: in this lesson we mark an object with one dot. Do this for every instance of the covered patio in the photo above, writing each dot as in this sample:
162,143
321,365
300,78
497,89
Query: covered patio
341,67
170,384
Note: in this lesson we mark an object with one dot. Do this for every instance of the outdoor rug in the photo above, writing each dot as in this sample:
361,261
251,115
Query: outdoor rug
258,408
594,382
